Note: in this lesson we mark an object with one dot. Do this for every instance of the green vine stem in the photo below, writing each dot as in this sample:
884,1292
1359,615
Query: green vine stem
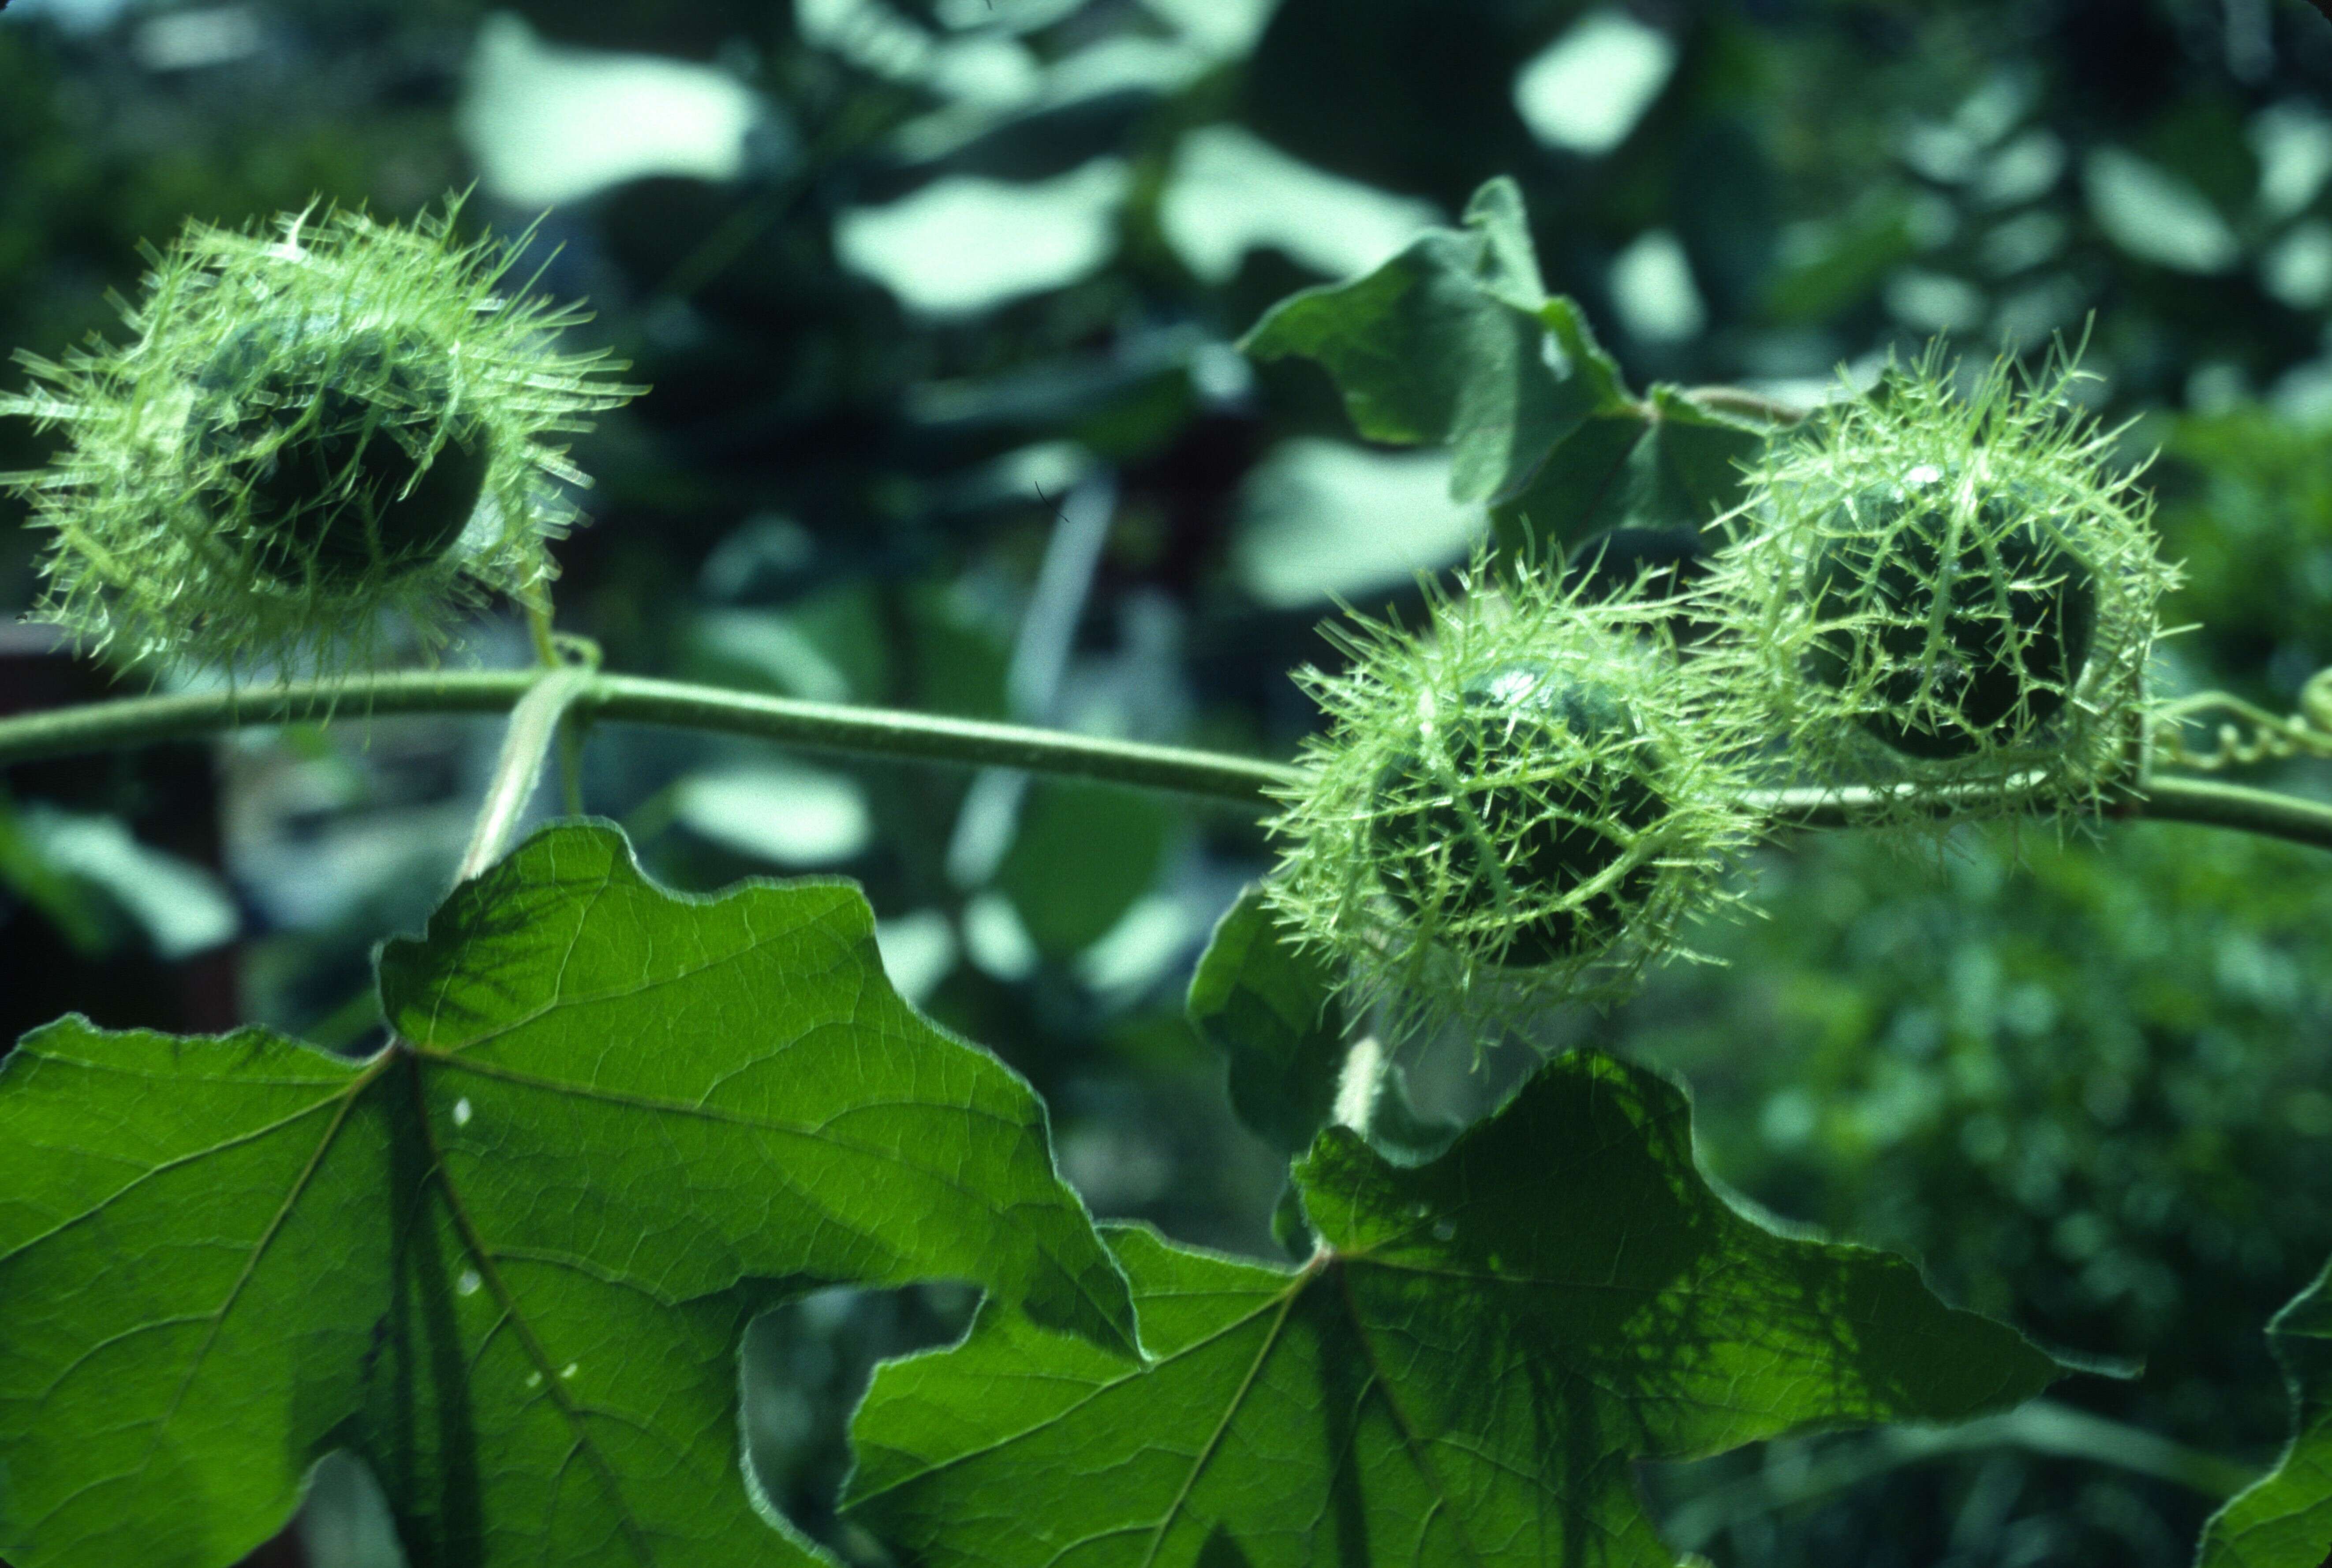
2203,802
1743,404
635,699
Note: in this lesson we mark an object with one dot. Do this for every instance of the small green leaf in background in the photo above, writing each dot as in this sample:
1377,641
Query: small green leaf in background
1445,344
2285,1519
507,1260
1272,1010
1456,341
1464,1375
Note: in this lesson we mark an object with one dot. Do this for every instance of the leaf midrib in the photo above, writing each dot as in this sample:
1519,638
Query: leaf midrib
484,1259
1277,1300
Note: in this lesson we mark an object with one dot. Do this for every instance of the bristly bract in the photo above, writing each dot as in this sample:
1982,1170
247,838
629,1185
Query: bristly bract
1945,604
317,431
1519,805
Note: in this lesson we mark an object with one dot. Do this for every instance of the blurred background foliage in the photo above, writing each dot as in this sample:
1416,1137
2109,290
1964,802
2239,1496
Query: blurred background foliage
938,298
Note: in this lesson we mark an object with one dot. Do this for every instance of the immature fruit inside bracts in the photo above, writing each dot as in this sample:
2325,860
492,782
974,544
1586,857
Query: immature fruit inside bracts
344,446
1963,615
1523,790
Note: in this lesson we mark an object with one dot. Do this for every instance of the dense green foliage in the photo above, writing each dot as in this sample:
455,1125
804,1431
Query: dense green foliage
942,304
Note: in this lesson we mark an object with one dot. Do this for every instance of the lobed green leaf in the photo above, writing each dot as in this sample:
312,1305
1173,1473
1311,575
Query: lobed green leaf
1456,341
1446,343
1463,1373
2284,1519
506,1260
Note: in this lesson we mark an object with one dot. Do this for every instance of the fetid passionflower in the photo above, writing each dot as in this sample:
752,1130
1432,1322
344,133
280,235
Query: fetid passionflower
1518,806
1947,603
316,429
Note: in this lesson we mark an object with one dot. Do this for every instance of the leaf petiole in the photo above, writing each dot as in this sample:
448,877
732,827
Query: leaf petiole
535,726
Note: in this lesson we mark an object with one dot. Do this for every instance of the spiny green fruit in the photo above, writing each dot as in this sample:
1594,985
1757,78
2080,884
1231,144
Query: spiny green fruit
345,446
1941,599
1468,807
323,436
1968,614
1518,805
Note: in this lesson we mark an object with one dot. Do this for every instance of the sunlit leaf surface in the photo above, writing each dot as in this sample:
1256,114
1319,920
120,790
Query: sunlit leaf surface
506,1261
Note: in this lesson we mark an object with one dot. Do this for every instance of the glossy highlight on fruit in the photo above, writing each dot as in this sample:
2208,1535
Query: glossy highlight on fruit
1966,615
1510,804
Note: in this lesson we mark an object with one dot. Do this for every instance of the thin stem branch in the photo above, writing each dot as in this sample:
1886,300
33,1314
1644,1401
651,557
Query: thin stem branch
539,627
2263,811
570,765
1244,782
534,726
1748,404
